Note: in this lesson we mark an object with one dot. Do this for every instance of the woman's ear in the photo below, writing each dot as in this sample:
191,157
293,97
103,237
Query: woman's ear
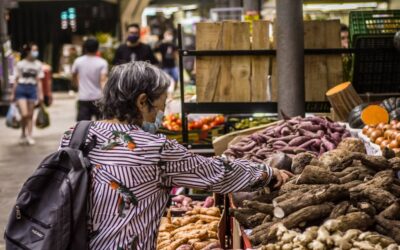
141,103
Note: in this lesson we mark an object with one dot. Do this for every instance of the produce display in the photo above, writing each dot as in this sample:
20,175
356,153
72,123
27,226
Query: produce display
385,135
183,203
196,230
290,136
370,114
343,199
326,237
173,122
239,123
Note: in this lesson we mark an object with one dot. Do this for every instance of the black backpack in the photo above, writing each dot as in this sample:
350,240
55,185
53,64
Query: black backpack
51,208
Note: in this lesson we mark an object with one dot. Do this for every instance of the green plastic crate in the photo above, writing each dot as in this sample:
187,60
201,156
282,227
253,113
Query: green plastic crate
373,23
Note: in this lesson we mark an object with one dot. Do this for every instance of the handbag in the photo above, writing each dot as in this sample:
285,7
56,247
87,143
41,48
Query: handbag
13,118
43,118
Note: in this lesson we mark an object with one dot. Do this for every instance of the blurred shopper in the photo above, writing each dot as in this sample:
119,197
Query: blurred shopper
89,73
344,36
168,52
47,84
347,58
133,50
28,89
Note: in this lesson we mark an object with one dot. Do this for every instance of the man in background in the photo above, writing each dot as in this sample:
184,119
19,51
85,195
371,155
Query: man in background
89,73
133,49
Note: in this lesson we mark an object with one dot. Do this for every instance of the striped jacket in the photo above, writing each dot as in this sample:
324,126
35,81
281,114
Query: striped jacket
131,177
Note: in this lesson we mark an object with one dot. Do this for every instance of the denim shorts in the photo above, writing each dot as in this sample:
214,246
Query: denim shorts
26,91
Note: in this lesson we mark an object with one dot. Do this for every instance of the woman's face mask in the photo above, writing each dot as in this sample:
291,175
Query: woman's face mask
153,119
35,54
152,127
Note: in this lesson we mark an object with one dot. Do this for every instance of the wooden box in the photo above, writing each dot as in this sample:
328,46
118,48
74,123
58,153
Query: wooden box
232,78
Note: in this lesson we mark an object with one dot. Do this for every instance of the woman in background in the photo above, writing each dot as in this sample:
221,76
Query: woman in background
28,89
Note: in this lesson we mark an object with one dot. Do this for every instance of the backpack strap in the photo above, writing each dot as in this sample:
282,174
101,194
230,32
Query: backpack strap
79,135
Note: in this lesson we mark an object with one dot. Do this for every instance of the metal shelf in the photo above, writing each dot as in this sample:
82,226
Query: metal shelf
272,52
229,108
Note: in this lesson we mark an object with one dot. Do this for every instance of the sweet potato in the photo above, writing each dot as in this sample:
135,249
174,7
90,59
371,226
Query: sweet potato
202,244
185,247
192,234
209,202
163,244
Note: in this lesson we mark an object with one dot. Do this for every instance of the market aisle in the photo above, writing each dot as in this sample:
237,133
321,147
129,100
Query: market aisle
18,162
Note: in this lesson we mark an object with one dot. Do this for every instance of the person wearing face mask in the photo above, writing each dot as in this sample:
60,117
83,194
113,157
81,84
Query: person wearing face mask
28,89
135,169
168,51
133,50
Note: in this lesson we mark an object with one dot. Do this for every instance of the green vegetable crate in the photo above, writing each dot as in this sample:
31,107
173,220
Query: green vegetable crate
373,23
377,69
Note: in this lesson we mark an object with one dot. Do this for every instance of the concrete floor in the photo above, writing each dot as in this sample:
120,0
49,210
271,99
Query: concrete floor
18,162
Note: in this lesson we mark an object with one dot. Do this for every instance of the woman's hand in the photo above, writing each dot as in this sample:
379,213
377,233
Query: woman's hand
281,177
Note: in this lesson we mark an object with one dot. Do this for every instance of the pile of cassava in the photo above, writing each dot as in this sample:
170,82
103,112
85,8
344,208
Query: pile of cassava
196,230
313,134
342,192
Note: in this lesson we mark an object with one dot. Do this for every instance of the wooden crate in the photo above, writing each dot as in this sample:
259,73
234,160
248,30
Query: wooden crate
321,72
232,78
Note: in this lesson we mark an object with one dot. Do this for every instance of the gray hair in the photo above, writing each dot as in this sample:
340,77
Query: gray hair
125,83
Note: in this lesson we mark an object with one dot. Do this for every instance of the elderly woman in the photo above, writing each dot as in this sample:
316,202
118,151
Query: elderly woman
134,169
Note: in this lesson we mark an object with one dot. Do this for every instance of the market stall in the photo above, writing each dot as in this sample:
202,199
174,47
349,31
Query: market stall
345,189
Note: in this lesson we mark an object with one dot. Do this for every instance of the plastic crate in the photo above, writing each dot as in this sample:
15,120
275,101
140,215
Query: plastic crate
376,70
372,23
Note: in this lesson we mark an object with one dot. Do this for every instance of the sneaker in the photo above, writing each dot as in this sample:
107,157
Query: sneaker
30,141
23,141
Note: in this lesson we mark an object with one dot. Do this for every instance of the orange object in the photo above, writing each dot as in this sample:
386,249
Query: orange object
114,185
374,114
131,145
205,127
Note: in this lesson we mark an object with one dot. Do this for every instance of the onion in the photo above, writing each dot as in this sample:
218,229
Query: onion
369,131
393,144
393,122
386,127
384,144
397,151
365,129
398,138
388,133
381,125
375,134
379,140
398,126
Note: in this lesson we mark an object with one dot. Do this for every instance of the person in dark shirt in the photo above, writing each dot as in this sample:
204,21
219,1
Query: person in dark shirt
168,52
133,49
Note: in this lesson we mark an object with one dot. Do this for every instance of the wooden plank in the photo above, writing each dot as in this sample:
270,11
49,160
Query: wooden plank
334,62
259,64
234,81
208,38
315,67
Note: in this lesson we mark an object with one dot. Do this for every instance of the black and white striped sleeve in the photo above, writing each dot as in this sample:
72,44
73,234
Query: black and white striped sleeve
215,174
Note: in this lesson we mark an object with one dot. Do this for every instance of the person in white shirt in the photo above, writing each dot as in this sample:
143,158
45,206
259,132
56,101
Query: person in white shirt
28,89
89,73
